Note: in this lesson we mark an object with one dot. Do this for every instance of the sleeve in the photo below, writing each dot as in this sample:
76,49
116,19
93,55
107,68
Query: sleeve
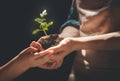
70,22
72,19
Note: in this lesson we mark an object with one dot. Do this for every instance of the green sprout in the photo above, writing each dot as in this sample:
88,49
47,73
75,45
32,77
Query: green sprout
43,24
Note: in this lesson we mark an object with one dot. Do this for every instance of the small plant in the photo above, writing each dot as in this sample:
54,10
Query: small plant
43,24
47,40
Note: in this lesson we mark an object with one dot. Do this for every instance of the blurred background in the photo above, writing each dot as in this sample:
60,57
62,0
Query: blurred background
17,23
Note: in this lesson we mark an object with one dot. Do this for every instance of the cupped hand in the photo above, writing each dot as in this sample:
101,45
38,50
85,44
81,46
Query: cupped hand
63,48
29,57
43,61
58,52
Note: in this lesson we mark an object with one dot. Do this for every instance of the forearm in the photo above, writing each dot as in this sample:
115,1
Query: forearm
11,70
109,41
69,31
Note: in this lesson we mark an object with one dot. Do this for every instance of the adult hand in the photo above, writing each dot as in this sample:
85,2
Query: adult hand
29,57
60,51
42,60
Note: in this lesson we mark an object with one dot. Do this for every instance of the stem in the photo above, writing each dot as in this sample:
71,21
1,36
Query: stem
44,31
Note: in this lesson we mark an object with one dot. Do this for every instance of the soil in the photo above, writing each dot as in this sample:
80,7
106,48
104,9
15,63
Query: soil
49,40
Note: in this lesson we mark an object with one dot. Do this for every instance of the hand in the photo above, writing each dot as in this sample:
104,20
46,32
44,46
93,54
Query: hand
22,62
60,51
55,61
47,63
30,58
44,62
63,48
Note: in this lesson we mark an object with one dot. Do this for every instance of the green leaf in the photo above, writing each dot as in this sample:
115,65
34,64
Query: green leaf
50,23
35,31
46,28
39,20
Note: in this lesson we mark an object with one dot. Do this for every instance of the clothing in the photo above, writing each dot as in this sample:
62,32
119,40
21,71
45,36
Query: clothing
94,65
72,18
70,22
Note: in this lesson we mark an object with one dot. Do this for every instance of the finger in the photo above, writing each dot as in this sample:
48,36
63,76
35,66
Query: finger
44,58
32,43
39,46
49,65
45,52
44,67
38,55
47,61
36,45
53,65
56,62
30,50
51,50
60,62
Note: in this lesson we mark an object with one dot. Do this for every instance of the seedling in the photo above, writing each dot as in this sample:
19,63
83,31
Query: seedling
43,24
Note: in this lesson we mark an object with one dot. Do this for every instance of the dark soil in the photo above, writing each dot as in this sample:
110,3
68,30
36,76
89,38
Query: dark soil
49,40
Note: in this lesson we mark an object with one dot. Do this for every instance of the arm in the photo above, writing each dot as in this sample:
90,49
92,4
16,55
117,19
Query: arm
26,59
14,67
71,27
110,41
69,31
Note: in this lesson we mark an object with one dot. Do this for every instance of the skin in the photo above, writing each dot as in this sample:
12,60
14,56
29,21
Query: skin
26,59
108,42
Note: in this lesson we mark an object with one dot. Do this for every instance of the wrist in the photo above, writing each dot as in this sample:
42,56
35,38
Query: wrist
20,63
72,44
77,44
